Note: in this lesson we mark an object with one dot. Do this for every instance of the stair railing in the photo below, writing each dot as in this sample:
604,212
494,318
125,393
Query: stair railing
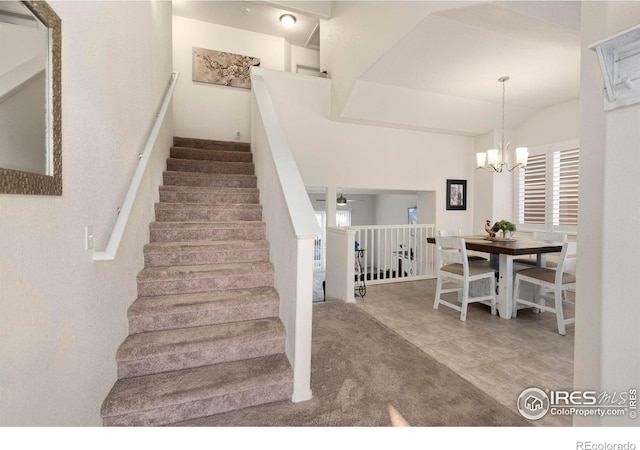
291,230
124,211
359,256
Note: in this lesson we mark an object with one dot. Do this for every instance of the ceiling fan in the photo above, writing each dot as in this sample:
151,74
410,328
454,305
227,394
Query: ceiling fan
341,200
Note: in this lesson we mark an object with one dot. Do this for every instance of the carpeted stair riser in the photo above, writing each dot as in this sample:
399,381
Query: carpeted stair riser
209,180
187,279
169,350
188,165
210,155
206,231
186,212
172,397
221,196
234,146
187,254
202,308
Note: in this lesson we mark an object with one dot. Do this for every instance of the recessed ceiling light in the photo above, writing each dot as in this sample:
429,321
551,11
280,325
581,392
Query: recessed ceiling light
245,10
287,20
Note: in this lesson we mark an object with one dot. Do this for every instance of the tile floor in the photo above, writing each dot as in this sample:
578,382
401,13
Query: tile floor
501,357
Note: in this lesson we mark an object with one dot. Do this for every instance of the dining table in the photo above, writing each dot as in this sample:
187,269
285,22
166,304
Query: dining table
504,251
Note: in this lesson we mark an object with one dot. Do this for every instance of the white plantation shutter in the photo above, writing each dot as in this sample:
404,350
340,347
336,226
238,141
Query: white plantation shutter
548,188
565,175
533,185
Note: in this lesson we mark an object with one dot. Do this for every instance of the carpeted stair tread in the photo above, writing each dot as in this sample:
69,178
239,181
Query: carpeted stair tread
195,165
182,348
212,144
207,231
144,345
178,205
209,195
166,312
210,155
188,212
177,178
203,247
200,252
203,301
202,278
172,397
201,271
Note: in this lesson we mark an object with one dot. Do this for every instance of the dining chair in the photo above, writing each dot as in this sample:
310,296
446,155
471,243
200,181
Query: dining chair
471,258
545,236
454,265
547,281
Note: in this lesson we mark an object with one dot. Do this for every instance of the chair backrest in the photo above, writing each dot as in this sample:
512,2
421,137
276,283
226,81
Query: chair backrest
452,250
569,263
449,233
567,260
549,236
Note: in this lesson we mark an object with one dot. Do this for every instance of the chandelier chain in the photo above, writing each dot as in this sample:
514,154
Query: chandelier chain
502,137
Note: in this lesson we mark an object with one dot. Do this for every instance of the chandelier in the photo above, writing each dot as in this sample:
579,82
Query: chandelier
495,159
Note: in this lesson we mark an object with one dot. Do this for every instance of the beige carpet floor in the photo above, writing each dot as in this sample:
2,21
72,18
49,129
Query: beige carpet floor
359,369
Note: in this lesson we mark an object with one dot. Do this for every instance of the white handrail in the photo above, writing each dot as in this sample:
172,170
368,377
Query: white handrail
110,251
301,212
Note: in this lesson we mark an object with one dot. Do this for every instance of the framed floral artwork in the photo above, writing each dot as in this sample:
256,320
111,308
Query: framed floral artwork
227,69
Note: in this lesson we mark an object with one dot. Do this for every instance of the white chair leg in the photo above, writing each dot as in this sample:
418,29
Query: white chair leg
436,302
465,301
538,297
559,312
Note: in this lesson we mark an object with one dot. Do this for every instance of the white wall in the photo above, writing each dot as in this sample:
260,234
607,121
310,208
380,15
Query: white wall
211,111
369,157
557,123
483,193
392,209
304,57
363,209
62,316
607,340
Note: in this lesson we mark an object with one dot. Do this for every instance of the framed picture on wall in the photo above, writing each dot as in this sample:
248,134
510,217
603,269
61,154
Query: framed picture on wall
457,195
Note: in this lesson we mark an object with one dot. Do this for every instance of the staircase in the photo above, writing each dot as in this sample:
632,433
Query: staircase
205,337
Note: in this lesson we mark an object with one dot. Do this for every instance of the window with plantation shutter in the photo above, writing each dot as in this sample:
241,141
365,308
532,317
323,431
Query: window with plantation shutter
533,187
565,177
548,188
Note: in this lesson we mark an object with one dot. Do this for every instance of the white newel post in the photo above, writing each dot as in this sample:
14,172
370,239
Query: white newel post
304,317
340,273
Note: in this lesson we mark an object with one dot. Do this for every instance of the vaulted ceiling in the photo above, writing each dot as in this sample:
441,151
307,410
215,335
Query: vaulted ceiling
443,74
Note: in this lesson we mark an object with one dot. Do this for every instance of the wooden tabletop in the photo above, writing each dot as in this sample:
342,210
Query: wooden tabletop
517,247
